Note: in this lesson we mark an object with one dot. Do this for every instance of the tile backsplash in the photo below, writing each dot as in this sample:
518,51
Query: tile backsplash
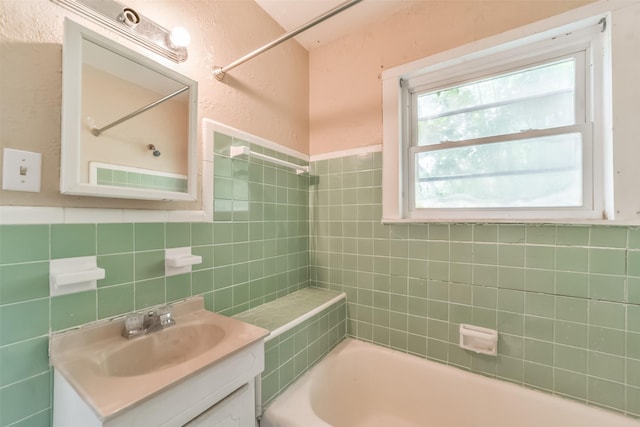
255,250
565,299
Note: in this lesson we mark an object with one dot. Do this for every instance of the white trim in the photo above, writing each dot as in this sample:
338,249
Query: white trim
392,132
483,52
245,136
31,215
71,181
243,150
345,153
567,221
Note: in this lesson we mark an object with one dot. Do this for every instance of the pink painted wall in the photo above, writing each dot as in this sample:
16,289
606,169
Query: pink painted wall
345,109
317,102
267,97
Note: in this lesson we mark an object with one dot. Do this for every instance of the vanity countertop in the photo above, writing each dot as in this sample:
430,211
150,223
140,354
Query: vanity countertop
81,356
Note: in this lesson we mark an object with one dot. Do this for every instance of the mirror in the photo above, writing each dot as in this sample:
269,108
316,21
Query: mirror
128,123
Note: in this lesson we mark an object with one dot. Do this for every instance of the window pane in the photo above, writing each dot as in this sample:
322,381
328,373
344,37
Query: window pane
537,172
536,98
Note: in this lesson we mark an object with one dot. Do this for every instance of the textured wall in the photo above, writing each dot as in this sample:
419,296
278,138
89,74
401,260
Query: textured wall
345,110
267,97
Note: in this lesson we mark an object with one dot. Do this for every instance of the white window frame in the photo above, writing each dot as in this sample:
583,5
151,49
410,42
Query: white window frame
468,63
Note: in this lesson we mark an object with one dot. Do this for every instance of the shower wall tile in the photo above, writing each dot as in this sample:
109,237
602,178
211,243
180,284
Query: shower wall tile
73,240
572,235
148,236
202,234
255,251
565,299
24,320
23,360
22,399
119,266
115,300
23,282
72,310
115,238
148,265
24,243
608,237
178,235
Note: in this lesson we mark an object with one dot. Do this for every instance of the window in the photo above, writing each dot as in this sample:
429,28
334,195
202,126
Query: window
514,133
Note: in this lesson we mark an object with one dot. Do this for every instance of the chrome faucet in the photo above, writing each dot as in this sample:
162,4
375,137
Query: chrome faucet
139,324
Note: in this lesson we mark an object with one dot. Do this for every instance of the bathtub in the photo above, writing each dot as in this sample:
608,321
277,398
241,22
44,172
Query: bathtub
364,385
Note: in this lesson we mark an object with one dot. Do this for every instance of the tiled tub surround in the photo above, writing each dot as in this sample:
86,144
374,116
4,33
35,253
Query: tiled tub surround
305,325
255,251
565,299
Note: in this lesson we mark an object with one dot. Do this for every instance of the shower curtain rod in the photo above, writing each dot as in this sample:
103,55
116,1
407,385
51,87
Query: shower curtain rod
219,72
97,132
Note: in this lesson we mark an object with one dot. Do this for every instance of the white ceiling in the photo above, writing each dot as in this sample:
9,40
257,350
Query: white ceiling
291,14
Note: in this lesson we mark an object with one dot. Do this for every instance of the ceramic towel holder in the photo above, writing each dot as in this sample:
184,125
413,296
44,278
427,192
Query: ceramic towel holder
179,261
71,275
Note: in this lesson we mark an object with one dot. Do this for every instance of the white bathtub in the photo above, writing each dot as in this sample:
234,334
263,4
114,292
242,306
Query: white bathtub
364,385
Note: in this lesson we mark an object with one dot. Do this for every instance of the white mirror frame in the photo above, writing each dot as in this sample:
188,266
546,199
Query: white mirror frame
72,59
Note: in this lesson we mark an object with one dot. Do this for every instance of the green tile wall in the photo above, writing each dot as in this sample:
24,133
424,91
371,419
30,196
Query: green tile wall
565,299
119,178
253,252
292,353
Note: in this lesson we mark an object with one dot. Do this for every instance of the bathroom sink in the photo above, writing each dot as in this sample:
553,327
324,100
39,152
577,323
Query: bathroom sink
161,350
113,374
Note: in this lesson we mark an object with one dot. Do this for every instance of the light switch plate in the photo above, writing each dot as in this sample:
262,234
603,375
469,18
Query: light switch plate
21,170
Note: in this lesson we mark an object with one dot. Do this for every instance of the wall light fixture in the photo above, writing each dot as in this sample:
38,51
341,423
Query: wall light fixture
133,26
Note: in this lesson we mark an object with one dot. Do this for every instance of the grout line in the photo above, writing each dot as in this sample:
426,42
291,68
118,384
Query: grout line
21,380
15,423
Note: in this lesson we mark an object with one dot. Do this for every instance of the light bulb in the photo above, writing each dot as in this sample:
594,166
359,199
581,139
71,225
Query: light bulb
179,37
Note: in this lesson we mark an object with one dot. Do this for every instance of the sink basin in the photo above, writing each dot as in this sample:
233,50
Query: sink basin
113,374
160,350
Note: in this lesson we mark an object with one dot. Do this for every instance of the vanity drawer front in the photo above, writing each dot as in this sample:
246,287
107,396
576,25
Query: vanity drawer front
235,410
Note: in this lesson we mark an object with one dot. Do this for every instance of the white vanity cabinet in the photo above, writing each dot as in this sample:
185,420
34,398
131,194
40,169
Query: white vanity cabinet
230,411
221,395
199,372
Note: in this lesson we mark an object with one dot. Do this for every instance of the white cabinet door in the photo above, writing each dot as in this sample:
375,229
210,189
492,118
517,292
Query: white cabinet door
235,410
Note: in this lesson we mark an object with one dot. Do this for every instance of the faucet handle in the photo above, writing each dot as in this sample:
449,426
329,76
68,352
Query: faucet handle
133,325
134,321
165,315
